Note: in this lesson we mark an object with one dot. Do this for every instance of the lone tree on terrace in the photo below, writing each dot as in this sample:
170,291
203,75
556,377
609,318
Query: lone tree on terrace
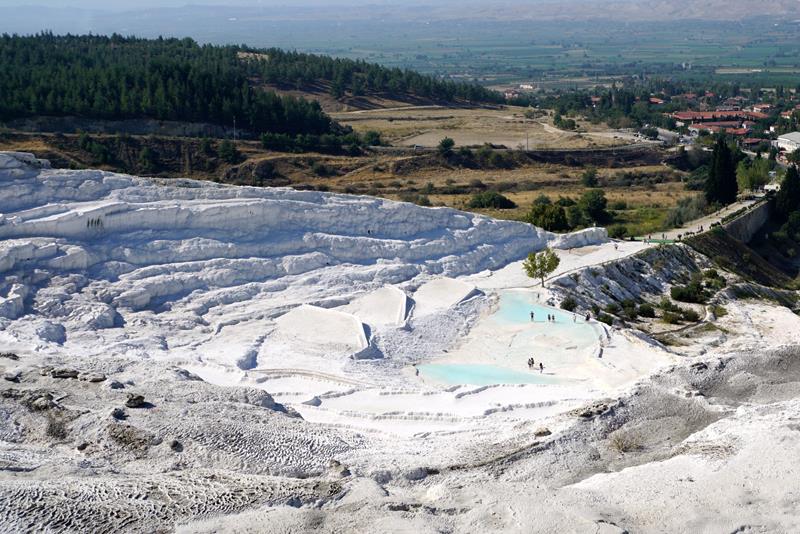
541,264
446,146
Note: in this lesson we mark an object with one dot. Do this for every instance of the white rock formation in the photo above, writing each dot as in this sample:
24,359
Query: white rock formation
178,262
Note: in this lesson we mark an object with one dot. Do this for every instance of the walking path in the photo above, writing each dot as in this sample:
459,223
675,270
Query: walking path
704,223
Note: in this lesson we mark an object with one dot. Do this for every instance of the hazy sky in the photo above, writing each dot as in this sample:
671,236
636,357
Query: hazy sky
139,4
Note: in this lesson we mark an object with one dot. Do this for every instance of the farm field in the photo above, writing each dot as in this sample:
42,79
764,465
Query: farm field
508,126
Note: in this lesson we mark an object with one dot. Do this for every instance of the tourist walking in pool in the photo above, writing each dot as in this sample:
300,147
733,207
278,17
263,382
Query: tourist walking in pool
532,316
541,367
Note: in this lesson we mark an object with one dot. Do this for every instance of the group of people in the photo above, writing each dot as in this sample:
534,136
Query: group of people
531,364
550,318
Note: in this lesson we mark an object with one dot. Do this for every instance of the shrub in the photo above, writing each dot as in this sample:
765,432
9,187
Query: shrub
716,284
719,310
618,231
475,183
646,310
613,308
671,317
56,427
693,293
465,153
688,209
372,138
569,304
605,318
629,309
415,198
690,315
624,442
491,199
320,169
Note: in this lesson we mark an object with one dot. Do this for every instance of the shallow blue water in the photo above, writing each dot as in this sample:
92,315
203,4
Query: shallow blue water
481,375
516,307
569,334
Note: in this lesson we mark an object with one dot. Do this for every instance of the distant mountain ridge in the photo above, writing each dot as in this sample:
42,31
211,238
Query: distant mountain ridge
425,10
651,10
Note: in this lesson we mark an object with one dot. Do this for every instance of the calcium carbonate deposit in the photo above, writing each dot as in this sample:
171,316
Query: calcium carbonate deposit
187,356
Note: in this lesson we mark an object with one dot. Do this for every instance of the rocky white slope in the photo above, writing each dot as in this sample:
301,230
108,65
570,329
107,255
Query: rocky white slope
87,251
187,356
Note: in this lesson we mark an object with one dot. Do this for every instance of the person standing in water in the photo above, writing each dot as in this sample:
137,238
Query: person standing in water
541,368
532,315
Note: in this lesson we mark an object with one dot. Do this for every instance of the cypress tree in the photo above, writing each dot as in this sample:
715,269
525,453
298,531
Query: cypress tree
721,186
788,198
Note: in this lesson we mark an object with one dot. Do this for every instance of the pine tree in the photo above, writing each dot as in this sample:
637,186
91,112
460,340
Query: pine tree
228,152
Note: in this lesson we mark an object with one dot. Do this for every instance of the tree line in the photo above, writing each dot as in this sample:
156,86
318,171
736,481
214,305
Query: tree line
357,77
115,77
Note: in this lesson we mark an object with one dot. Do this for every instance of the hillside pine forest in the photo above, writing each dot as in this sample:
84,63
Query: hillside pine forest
116,77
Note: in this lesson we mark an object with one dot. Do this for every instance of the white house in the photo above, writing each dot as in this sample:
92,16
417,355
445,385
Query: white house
788,142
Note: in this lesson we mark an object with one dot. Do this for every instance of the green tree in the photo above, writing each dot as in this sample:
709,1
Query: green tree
228,152
147,160
787,200
551,217
205,146
751,176
446,146
372,138
541,264
575,217
721,186
490,199
589,177
593,204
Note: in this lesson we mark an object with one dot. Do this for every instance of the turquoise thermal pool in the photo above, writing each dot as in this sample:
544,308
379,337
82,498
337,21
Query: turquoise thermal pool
500,356
481,375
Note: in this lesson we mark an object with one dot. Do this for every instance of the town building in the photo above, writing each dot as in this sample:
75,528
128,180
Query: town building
788,142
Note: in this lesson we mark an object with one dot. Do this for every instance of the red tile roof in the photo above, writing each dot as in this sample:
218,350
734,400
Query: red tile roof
703,116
